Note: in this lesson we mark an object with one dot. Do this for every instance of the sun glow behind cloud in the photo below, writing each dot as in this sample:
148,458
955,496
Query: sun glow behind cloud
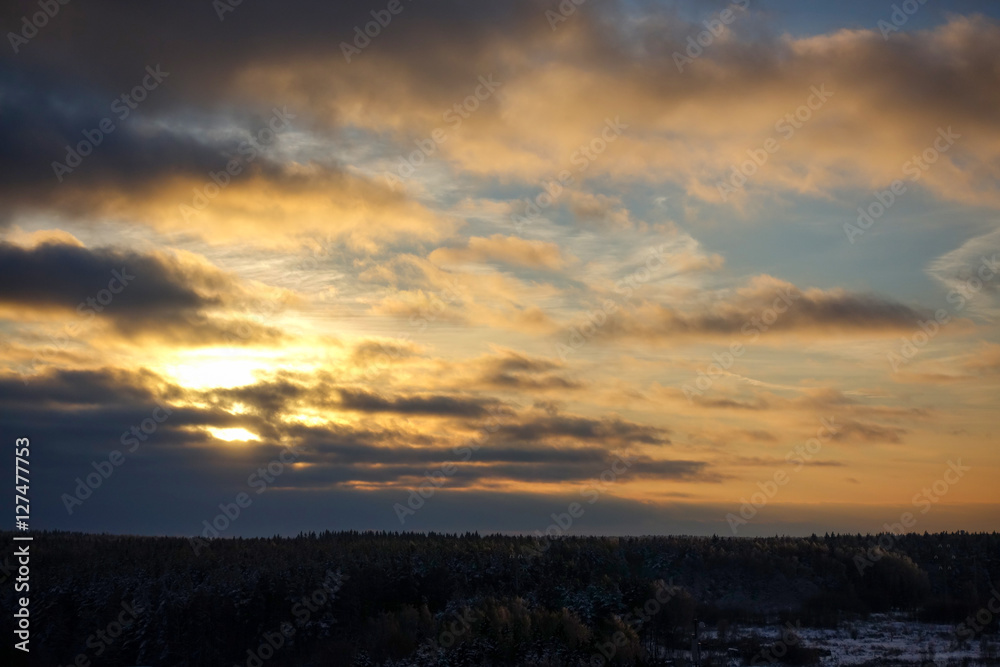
228,367
216,370
233,434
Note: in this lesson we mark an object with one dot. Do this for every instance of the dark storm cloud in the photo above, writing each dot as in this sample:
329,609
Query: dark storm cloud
39,119
530,382
357,443
71,71
103,41
398,454
273,397
60,154
138,293
79,388
858,311
267,398
365,401
80,415
63,276
768,307
103,403
580,428
341,454
357,446
76,419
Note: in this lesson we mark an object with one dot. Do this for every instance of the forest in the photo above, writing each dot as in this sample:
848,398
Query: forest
407,599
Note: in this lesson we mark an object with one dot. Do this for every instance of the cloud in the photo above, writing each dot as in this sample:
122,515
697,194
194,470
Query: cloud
63,275
867,432
344,455
889,99
680,127
165,171
269,398
176,297
503,250
512,370
423,294
768,307
365,401
600,211
971,274
100,406
383,351
613,431
66,389
986,360
766,416
978,364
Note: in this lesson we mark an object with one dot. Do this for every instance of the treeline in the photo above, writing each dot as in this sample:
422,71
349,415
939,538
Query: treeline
376,598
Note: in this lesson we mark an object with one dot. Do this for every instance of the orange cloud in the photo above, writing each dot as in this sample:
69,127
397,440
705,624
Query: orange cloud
504,250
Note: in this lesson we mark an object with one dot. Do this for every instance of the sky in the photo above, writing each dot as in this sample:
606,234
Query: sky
615,267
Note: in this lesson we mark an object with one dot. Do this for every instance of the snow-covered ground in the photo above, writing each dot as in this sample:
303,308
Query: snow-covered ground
883,639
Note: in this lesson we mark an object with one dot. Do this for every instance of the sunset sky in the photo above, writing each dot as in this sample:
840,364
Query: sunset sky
508,247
